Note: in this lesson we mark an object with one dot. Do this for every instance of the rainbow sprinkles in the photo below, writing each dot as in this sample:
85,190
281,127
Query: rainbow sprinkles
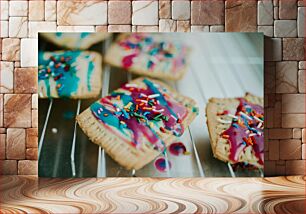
143,115
149,54
246,130
236,130
72,74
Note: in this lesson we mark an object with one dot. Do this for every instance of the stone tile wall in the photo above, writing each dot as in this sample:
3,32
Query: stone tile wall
282,21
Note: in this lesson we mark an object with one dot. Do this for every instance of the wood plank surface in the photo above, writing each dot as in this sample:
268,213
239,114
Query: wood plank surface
139,195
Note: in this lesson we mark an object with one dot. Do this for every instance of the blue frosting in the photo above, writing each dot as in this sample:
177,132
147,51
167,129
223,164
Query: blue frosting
128,119
58,34
106,116
84,35
60,68
161,98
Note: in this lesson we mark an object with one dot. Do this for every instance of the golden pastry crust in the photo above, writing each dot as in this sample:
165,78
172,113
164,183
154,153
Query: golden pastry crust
220,146
115,54
125,154
49,89
74,41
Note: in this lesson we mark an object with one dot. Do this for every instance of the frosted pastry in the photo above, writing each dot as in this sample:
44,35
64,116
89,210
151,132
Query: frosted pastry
75,40
70,74
236,129
136,123
150,55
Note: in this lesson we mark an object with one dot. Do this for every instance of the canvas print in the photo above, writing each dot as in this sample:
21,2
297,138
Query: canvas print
151,105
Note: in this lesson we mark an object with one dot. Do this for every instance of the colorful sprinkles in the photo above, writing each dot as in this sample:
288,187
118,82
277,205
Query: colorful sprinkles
61,68
56,67
246,129
142,112
150,53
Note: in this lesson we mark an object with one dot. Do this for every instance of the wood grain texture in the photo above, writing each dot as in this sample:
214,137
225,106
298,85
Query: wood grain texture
138,195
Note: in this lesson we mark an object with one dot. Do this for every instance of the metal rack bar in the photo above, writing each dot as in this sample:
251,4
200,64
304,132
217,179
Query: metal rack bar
129,78
230,168
81,166
133,173
101,168
168,169
201,171
196,79
233,174
41,141
231,171
215,74
118,171
72,154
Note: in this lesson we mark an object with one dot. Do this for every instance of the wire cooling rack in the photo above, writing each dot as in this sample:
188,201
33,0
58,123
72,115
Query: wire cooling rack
222,65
